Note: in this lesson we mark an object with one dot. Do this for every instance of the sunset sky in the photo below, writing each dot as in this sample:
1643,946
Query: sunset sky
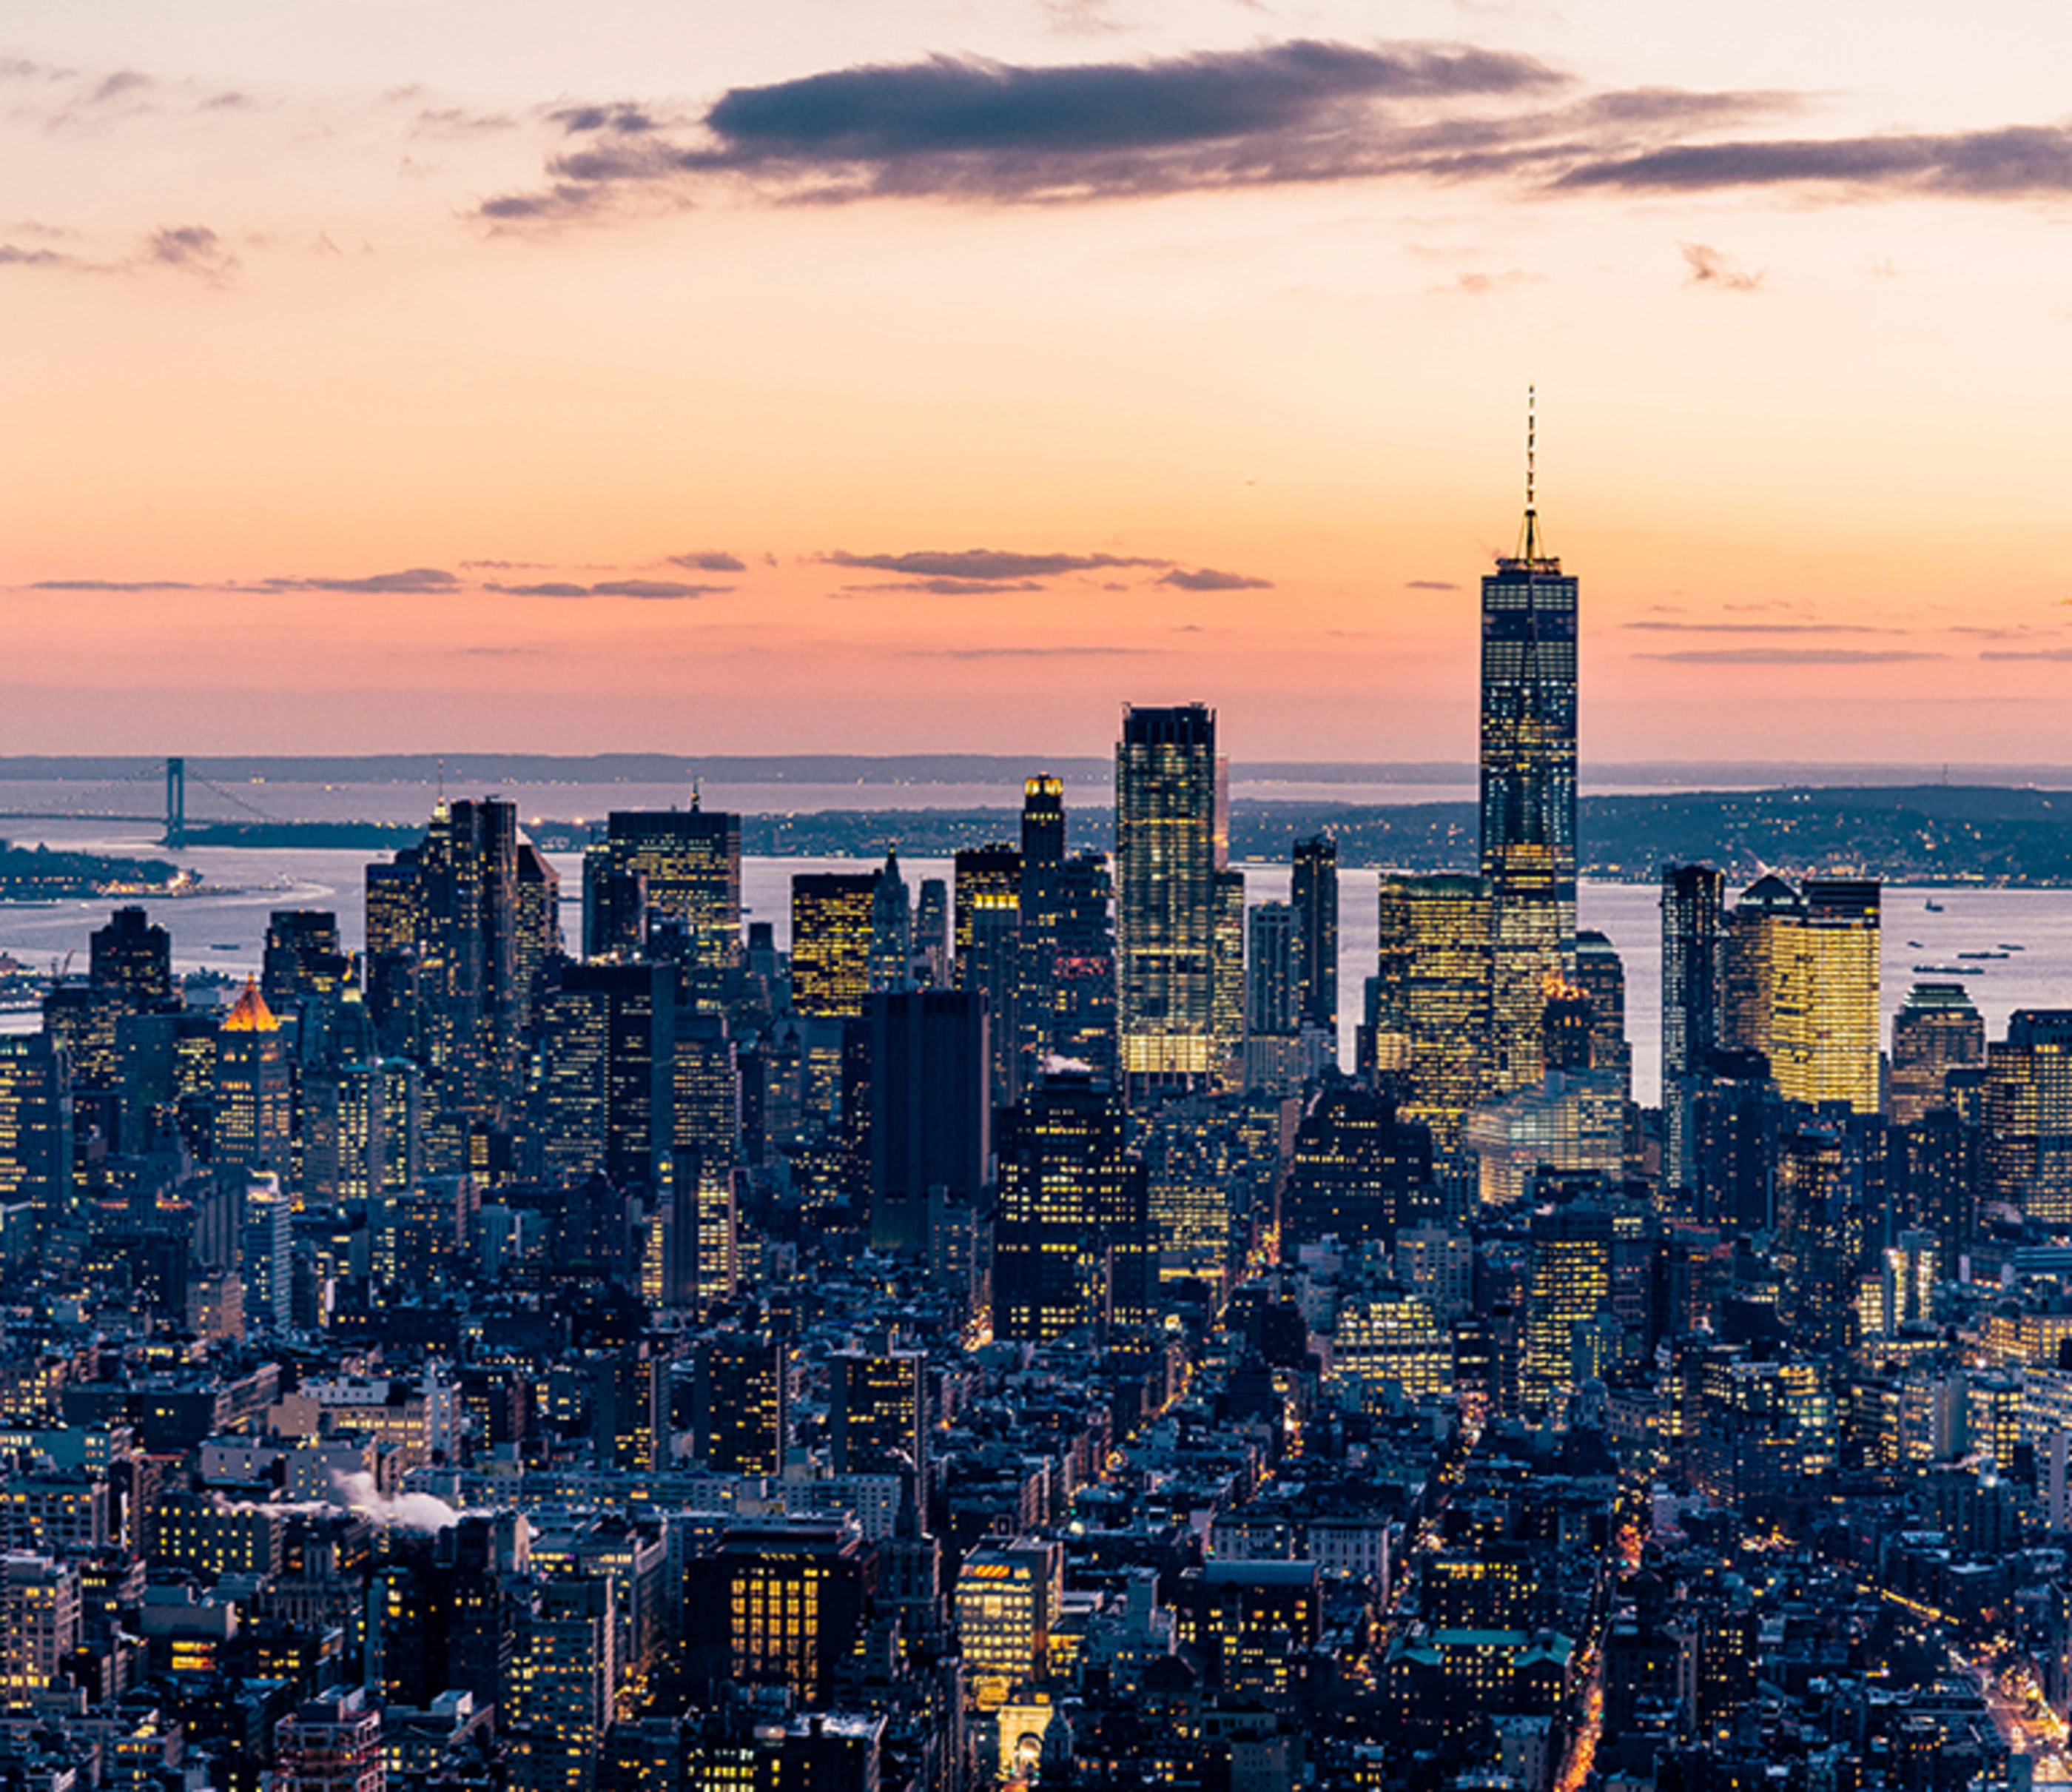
861,375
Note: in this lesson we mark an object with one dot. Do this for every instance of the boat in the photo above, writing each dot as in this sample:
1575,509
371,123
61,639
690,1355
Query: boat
231,947
1982,954
2005,947
1932,907
1949,970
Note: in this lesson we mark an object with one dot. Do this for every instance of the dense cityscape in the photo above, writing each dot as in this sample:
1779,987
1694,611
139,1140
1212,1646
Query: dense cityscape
997,1340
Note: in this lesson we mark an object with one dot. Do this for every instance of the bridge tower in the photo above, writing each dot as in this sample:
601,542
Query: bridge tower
176,802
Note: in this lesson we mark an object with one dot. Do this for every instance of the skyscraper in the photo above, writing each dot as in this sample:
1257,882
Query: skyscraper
1431,1020
1314,896
1071,1245
1693,922
1936,1030
891,966
35,1129
2028,1116
1528,789
831,932
1165,892
930,1116
607,1051
689,860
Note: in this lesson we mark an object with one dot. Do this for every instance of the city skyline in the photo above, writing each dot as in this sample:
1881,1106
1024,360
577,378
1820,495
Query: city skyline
445,387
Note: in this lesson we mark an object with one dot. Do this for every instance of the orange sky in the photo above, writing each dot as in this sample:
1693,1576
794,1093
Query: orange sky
1151,353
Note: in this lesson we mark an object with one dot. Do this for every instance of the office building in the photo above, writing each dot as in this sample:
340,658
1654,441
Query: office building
607,1063
132,959
2027,1116
891,964
1357,1171
1693,926
1272,996
36,1130
1165,892
688,863
255,1111
1936,1030
930,1117
1071,1243
1568,1282
1600,975
989,956
877,1413
781,1604
1430,1030
831,934
741,1404
1314,896
1801,987
1528,792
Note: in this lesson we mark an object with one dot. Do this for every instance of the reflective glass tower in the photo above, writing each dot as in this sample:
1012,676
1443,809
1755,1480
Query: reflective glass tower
1528,789
1165,890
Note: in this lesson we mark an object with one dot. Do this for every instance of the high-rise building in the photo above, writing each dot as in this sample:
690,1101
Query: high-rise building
1072,1242
2027,1113
1801,987
781,1604
989,953
1823,1221
607,1063
254,1113
1528,791
931,935
131,956
1043,821
1936,1030
1693,922
1227,1008
1430,1030
700,1260
1273,1003
878,1412
689,861
539,927
740,1404
930,1114
1165,785
831,934
1600,975
1357,1172
1314,896
1568,1282
442,941
891,964
36,1130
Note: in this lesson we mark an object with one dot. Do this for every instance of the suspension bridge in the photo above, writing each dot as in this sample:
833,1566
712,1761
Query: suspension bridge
130,789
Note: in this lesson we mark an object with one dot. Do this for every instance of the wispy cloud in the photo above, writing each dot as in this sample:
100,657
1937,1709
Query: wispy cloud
1024,653
2053,654
1791,655
1430,585
113,585
2014,161
1717,270
652,590
411,581
1666,628
709,561
1211,579
975,566
192,249
962,127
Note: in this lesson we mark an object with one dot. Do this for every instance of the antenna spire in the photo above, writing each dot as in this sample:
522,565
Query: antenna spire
1528,548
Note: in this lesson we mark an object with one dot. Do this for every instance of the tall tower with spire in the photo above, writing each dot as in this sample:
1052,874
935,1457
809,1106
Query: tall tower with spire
1529,784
